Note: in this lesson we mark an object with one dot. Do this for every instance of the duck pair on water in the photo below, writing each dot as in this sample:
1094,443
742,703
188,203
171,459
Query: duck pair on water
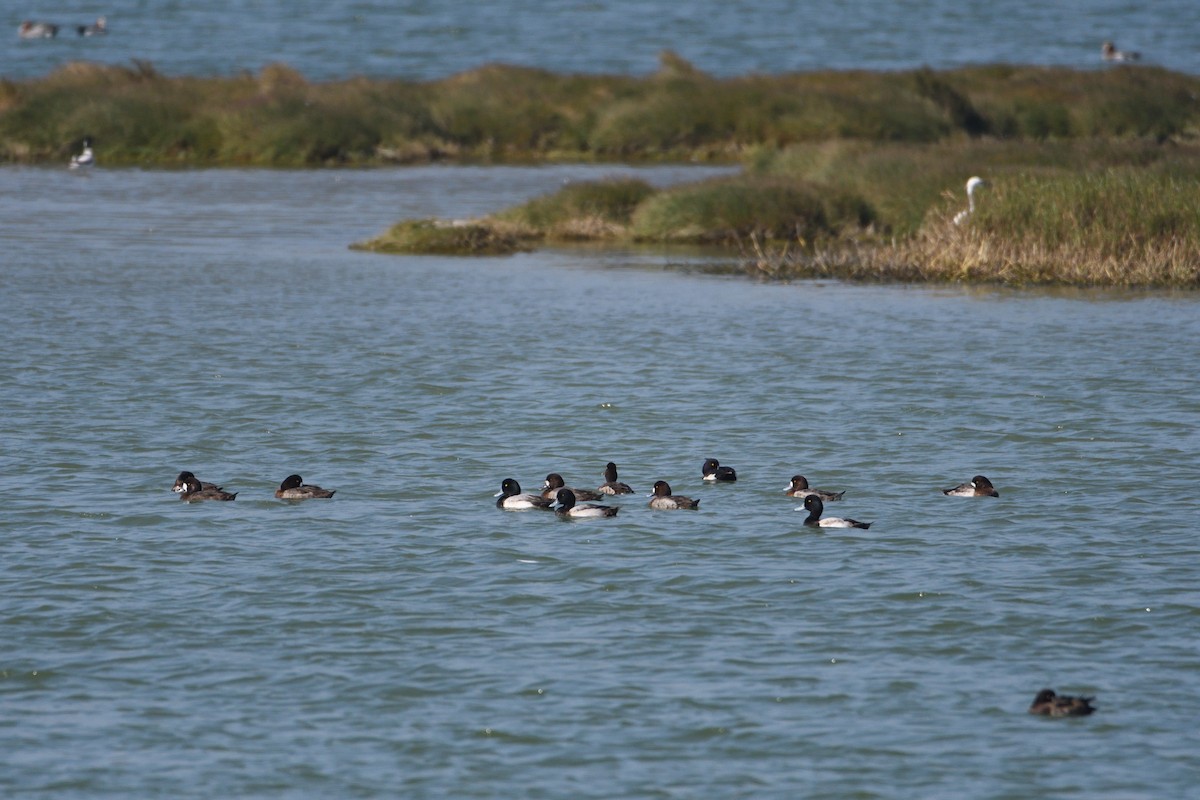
48,30
191,490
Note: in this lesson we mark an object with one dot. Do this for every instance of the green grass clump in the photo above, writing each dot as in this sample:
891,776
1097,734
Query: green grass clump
433,237
729,210
506,113
585,210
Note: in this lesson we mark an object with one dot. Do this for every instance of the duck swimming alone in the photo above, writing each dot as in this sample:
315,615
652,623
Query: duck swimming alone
37,30
554,482
98,28
185,476
86,157
567,509
712,470
663,500
978,486
611,485
1049,704
192,492
512,499
799,488
815,508
294,488
1109,52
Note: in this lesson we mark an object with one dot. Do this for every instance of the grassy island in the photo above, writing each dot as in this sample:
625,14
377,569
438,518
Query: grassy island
1092,176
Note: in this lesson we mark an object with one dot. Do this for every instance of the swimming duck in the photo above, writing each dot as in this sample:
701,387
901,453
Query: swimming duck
1049,704
37,30
814,507
99,28
978,486
86,157
554,482
567,509
294,488
662,498
186,476
799,488
192,491
512,499
713,471
964,215
611,485
1109,52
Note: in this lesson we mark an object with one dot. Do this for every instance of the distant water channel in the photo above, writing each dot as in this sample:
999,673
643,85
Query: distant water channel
428,39
408,639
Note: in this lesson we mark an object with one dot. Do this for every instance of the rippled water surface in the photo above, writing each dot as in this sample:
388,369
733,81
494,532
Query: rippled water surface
409,639
435,38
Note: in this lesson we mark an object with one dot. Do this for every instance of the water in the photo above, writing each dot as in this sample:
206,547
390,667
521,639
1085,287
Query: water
422,39
409,639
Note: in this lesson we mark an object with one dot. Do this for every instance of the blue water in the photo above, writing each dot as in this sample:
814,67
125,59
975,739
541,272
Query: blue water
422,39
409,639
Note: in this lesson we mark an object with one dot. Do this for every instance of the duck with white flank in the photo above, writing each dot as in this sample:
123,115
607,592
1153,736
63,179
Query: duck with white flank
815,508
294,488
37,30
712,470
978,486
98,28
799,488
663,500
1109,52
511,498
566,507
611,485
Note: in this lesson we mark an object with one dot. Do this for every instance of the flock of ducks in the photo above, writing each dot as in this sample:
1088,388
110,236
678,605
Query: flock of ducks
48,30
569,502
192,490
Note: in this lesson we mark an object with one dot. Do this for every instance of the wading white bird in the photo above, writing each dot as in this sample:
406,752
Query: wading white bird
1109,52
86,158
964,215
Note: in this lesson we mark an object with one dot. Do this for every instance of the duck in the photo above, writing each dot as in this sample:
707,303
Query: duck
98,28
554,482
799,488
815,508
978,486
185,476
512,499
663,500
37,30
86,157
1109,52
294,488
193,491
973,183
611,485
1049,704
712,470
567,509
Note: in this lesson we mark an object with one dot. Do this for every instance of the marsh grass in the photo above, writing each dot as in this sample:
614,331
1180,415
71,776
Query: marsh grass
1118,228
457,238
506,113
